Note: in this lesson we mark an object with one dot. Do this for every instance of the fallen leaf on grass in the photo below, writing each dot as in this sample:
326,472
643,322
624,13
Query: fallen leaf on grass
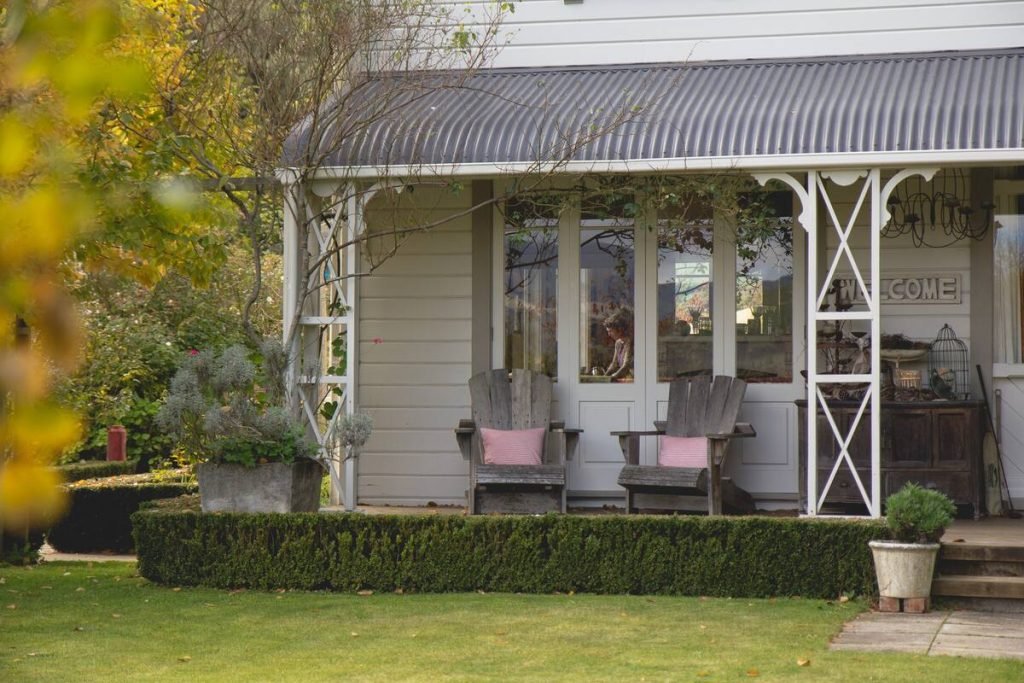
79,590
184,658
176,589
753,673
66,574
280,590
115,616
364,592
354,634
3,580
702,674
79,628
12,606
703,627
803,662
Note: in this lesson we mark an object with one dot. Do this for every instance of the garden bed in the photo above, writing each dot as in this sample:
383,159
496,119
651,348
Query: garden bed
722,556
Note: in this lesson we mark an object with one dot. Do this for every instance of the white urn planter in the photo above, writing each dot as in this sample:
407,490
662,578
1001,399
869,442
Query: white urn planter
270,487
904,570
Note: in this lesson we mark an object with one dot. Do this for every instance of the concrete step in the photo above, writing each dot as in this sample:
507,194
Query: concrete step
1008,587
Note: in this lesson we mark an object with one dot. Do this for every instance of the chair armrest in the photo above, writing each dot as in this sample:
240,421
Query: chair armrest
567,438
464,436
743,430
629,442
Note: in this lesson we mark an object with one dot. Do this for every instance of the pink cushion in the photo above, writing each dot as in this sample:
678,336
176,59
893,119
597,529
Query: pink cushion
683,451
513,446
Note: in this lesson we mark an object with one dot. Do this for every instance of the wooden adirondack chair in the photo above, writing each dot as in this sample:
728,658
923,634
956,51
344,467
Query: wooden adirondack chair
697,406
522,402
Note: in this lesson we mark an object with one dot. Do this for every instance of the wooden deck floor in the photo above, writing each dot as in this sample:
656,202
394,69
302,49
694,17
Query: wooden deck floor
998,531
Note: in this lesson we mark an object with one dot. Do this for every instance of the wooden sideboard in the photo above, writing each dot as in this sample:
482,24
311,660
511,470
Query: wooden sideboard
936,444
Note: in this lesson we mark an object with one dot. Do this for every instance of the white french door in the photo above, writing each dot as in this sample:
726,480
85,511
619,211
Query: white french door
698,306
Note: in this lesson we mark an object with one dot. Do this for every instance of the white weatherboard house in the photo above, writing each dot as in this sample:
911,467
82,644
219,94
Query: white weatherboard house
838,106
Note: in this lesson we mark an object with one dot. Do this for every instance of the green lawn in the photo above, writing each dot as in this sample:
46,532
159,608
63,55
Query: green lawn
81,622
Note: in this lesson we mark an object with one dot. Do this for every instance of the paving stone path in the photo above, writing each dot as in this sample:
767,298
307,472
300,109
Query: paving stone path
962,633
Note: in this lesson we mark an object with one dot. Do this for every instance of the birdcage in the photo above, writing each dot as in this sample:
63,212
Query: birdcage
947,366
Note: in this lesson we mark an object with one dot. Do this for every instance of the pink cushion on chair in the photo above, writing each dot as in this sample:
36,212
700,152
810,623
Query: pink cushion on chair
512,446
683,451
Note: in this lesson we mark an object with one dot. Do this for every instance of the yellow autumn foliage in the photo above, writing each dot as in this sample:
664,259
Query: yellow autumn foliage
57,63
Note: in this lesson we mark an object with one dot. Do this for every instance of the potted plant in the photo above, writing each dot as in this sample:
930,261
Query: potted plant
249,453
916,518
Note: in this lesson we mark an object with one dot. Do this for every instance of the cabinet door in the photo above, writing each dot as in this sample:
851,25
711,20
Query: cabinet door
909,438
955,433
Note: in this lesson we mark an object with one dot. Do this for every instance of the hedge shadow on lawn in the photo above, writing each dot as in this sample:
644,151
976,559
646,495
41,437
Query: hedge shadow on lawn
676,555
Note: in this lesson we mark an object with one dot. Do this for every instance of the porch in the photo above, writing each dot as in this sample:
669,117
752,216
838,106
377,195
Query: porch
439,309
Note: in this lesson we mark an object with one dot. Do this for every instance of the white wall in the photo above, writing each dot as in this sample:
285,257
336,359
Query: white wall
550,32
418,306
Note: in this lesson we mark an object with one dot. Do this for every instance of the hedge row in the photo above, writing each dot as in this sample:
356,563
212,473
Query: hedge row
94,469
99,516
722,556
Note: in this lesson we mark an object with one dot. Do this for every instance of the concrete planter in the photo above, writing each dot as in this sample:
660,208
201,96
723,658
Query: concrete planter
272,487
904,570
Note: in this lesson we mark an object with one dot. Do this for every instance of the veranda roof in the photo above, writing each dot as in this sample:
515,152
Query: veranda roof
965,106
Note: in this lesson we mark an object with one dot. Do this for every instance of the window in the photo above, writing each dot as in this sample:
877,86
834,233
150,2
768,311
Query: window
685,247
607,279
764,293
530,283
1009,283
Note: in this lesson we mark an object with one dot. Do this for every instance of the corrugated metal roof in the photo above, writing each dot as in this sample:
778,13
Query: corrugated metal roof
887,103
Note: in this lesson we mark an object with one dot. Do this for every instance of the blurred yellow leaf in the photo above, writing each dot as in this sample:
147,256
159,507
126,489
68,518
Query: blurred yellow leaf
15,145
803,662
30,494
41,430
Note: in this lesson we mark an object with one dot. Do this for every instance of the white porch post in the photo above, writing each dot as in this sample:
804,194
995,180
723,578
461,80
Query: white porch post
292,284
820,385
355,207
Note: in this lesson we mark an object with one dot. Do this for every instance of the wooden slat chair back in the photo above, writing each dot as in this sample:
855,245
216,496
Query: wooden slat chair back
697,406
498,402
519,399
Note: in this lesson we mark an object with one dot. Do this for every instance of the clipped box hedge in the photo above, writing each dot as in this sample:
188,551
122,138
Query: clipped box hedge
99,515
96,469
722,556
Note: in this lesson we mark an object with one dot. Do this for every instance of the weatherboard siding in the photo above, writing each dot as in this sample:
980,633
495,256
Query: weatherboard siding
415,316
551,32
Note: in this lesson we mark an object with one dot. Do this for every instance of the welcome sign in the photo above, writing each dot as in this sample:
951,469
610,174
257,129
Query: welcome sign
907,288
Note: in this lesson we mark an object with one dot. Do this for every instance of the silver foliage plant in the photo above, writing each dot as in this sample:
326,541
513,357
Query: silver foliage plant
354,431
220,407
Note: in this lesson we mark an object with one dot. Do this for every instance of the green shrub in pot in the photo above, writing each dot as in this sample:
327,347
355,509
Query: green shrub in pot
918,515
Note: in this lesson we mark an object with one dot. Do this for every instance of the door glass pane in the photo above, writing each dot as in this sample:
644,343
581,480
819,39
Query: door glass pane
1009,282
764,293
684,292
530,279
606,294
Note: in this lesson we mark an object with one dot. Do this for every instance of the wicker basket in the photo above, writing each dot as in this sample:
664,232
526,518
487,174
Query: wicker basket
908,379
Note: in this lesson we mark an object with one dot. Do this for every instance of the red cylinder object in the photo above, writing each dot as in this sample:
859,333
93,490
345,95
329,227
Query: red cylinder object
117,443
